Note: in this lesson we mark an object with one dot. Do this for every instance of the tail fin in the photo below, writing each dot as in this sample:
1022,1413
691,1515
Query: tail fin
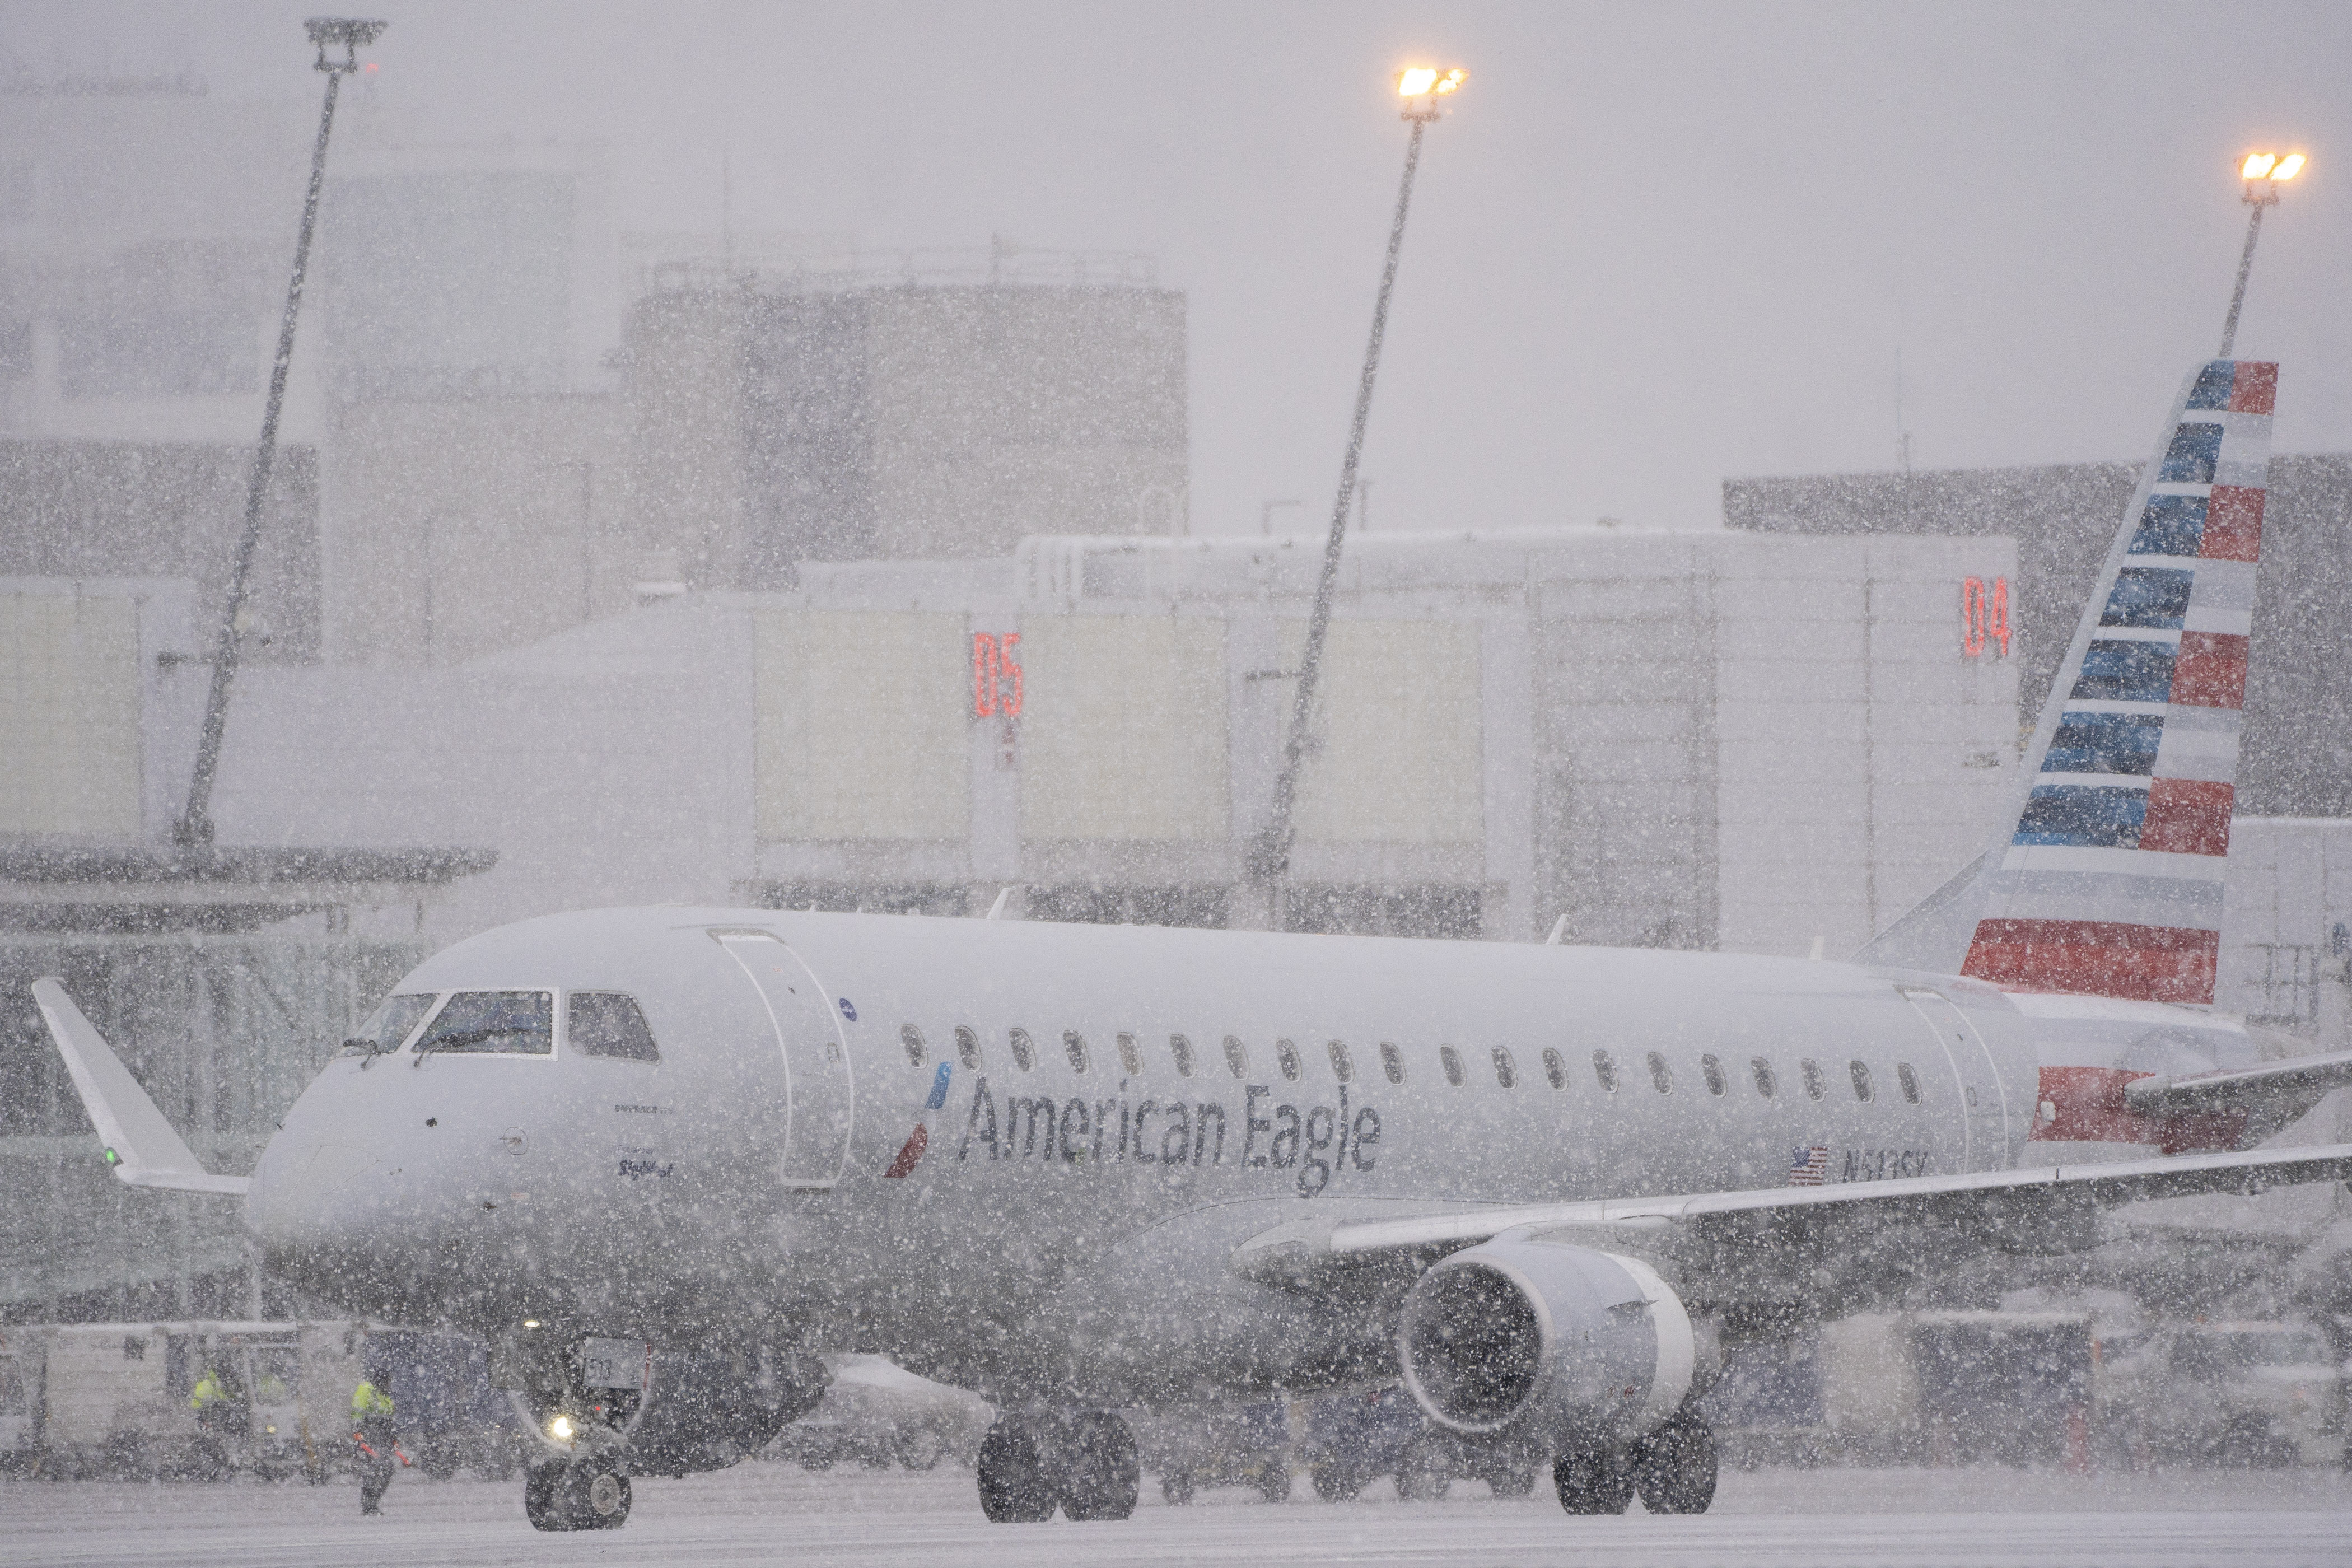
140,1145
2111,885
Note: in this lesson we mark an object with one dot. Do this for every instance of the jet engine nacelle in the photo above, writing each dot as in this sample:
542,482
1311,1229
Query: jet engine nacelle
1582,1346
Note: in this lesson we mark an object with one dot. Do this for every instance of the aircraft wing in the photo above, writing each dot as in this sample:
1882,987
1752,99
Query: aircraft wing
141,1146
1769,1229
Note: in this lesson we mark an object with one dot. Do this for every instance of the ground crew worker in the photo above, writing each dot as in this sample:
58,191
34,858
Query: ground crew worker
214,1400
373,1430
210,1400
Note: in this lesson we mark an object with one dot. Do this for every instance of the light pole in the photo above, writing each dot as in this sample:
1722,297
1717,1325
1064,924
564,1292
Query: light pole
1421,87
195,824
2263,173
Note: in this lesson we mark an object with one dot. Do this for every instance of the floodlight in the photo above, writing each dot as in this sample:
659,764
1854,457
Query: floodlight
348,34
2289,166
2258,165
1425,82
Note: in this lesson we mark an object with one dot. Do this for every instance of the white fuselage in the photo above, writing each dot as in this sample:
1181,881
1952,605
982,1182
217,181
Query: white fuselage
770,1167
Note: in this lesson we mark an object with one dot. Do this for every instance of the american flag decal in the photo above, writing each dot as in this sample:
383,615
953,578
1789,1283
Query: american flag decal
1808,1167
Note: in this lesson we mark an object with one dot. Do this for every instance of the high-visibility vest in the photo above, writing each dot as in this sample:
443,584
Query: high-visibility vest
369,1400
208,1391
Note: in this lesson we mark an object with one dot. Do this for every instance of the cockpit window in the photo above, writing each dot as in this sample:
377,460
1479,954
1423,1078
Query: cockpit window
389,1027
493,1023
607,1024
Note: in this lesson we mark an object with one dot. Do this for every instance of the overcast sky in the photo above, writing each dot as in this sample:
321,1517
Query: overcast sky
1656,246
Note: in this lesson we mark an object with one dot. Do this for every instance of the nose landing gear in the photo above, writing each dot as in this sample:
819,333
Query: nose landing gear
587,1493
578,1398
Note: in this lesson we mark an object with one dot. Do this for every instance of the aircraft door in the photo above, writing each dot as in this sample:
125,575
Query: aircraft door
819,1097
1976,1079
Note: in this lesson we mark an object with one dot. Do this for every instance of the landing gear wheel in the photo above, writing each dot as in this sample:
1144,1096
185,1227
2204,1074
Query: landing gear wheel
1334,1483
590,1494
1511,1478
606,1496
1274,1481
1176,1487
922,1449
1101,1470
1421,1474
541,1483
1014,1485
1593,1482
1675,1467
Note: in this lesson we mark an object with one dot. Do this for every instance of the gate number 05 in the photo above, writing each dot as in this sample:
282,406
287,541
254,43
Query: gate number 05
995,676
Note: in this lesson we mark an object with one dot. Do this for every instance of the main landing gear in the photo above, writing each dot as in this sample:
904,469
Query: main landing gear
1083,1462
1672,1469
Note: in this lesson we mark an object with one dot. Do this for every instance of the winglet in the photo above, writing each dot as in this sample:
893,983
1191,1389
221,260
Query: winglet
141,1146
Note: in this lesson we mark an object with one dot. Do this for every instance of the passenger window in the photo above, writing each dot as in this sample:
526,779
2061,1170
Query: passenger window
1451,1060
1908,1081
1182,1049
1130,1058
1660,1074
1712,1070
1861,1072
389,1027
1555,1068
1393,1062
1076,1044
1507,1071
1341,1068
1286,1056
494,1023
1766,1084
607,1024
1236,1057
968,1048
1024,1052
1810,1071
1605,1069
908,1035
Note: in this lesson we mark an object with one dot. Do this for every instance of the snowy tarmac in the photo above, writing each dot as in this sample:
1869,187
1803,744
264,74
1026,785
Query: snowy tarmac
779,1514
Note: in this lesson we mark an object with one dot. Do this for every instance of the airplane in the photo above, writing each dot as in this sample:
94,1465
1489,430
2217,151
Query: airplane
660,1159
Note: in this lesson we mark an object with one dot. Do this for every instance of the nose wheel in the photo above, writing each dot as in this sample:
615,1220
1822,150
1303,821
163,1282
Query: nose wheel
582,1494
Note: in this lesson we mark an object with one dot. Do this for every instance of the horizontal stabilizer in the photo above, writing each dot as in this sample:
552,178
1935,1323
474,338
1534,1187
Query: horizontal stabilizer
142,1148
2299,1079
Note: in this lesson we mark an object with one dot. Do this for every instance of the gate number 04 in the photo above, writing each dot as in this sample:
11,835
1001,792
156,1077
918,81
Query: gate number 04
995,676
1984,616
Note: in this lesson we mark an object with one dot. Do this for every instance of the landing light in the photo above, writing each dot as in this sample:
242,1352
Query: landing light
561,1428
531,1322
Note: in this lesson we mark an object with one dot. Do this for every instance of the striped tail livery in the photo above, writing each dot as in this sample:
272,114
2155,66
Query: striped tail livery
2111,885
